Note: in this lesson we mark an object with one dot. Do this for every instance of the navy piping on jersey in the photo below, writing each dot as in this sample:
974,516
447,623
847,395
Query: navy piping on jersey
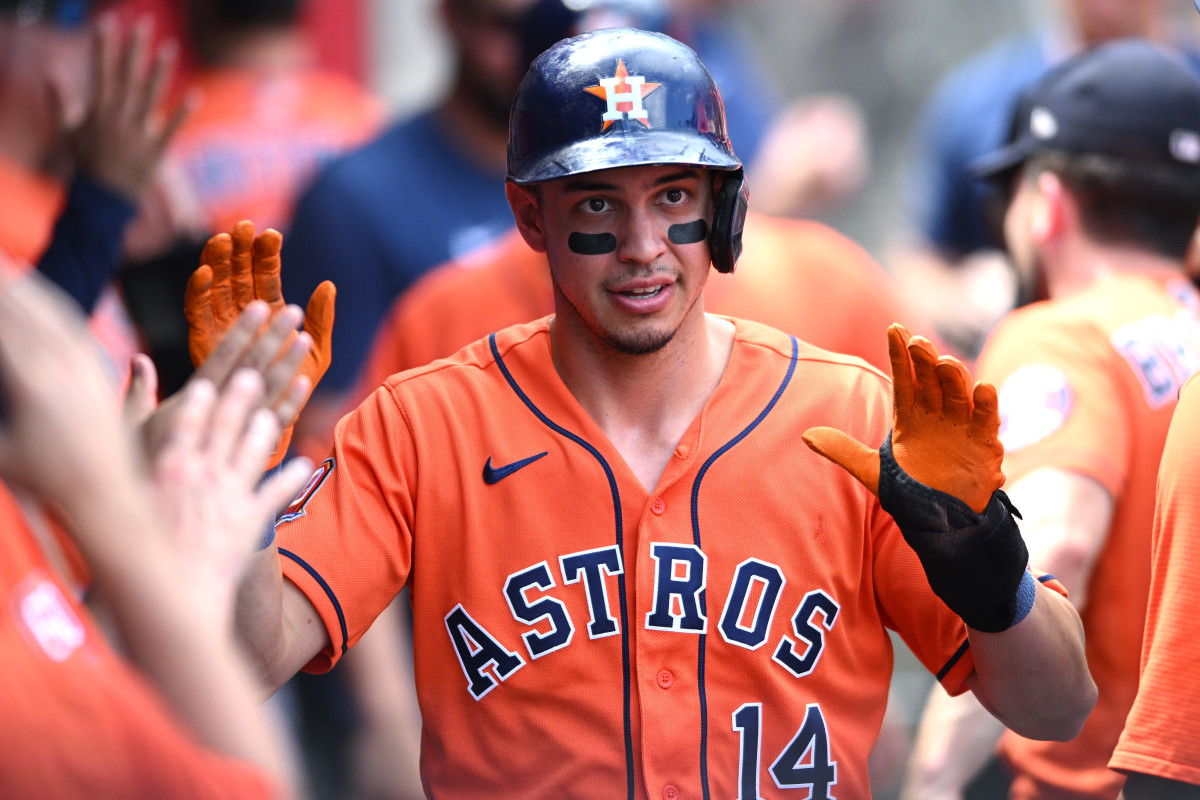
620,536
954,659
328,591
787,378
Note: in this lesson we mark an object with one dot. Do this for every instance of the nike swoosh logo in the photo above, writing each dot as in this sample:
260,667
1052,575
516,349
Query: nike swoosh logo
496,474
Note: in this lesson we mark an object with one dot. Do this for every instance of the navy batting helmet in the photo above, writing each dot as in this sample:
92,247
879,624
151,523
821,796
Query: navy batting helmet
622,97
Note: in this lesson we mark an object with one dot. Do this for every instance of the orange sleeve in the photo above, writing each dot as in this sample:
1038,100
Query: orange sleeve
346,541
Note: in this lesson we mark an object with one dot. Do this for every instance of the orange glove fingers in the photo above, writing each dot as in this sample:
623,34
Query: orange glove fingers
927,389
902,380
217,255
851,455
318,323
267,285
985,423
954,379
197,310
241,278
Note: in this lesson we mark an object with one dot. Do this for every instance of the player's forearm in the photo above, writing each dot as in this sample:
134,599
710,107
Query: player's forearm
275,622
259,617
1033,677
956,738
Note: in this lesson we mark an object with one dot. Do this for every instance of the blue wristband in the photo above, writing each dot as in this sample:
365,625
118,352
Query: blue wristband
1026,593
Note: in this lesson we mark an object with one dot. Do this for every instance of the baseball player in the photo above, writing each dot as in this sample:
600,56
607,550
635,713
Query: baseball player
1104,169
1157,747
628,576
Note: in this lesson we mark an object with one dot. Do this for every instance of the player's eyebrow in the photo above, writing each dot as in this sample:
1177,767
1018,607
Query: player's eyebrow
593,185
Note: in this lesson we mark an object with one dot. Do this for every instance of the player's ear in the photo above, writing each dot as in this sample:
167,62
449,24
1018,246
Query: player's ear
525,202
1054,208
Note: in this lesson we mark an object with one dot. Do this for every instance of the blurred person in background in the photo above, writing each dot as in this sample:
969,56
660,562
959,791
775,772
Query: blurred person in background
82,131
1102,180
952,267
267,117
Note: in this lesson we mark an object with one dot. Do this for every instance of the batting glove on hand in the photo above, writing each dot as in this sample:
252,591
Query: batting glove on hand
941,469
942,435
236,268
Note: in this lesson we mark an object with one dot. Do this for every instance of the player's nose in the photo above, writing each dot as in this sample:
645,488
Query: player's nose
642,239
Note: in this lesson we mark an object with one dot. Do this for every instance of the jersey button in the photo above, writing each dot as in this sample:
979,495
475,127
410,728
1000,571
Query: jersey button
665,679
670,792
658,506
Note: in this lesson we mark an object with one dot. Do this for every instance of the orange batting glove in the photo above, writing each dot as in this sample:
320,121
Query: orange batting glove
939,476
236,268
943,435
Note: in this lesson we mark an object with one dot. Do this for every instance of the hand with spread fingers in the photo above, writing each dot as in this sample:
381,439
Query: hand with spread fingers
118,134
236,269
939,476
944,435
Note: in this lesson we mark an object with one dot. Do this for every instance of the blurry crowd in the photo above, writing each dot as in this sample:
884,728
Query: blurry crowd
132,132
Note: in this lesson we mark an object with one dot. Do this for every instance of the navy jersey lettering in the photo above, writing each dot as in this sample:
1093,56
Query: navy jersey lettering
770,578
593,565
484,661
803,626
561,629
680,572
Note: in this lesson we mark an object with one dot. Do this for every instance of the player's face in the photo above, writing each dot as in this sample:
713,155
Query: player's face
628,252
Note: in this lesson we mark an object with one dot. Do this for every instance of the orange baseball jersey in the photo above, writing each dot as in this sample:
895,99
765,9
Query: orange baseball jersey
1087,384
1160,732
77,721
258,137
575,635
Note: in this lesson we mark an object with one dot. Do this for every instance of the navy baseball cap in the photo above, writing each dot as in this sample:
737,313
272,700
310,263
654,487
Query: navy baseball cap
1127,98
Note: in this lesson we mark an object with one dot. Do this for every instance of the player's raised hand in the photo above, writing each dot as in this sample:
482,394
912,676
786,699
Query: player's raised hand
236,269
118,133
945,434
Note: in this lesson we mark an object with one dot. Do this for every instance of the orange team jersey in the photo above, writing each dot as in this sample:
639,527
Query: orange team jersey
577,636
29,204
258,137
1087,384
77,721
801,277
1160,733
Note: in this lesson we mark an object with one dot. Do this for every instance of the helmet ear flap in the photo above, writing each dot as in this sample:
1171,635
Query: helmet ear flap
729,218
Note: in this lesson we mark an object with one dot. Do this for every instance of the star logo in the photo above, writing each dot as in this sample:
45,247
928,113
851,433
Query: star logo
623,93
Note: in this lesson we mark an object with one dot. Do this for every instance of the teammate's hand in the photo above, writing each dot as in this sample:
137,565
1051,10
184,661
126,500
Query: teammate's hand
943,435
236,268
117,134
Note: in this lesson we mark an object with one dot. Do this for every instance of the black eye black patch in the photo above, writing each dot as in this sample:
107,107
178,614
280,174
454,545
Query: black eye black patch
592,244
688,232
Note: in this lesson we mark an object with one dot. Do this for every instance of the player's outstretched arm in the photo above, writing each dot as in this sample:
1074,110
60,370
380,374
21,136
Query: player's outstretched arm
939,476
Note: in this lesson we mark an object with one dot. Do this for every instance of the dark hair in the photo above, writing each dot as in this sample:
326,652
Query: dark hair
248,13
1154,206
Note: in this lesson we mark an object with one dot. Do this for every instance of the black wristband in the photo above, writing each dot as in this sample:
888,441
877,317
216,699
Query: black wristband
974,562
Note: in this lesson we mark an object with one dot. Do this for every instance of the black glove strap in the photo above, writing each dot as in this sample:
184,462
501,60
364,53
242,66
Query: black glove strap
974,562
